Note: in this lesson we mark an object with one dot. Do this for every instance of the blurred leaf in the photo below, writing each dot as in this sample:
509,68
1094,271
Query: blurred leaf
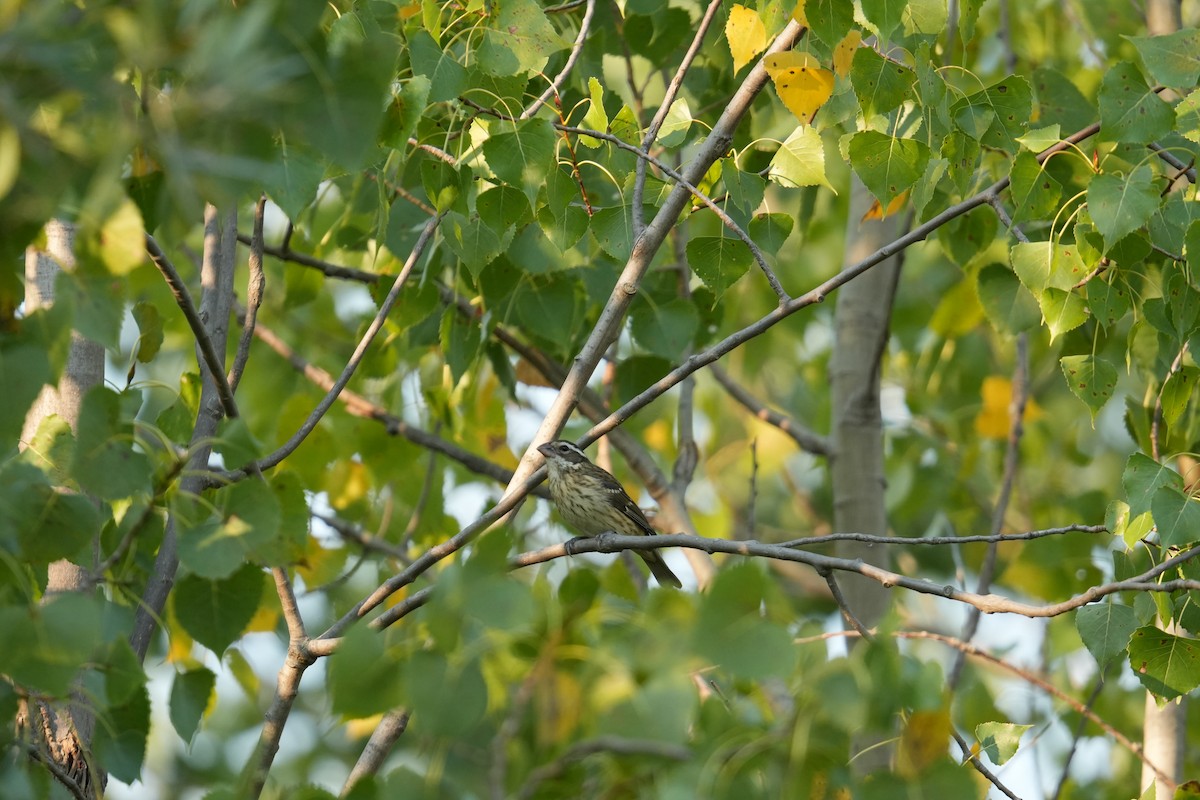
665,329
121,734
1173,59
1009,306
106,463
190,696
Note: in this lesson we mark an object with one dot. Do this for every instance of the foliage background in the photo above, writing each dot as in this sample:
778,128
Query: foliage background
458,243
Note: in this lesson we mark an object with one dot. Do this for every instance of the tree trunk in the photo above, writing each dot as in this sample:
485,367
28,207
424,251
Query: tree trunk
62,732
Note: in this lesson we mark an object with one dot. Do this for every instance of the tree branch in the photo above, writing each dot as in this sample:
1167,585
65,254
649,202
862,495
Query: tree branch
213,363
805,439
288,447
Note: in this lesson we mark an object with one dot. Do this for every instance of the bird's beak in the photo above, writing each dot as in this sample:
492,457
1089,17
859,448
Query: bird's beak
544,449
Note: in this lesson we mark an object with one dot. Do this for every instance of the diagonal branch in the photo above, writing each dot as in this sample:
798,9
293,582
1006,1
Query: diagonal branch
805,439
288,447
212,362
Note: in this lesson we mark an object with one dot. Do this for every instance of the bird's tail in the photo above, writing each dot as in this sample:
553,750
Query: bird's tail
659,569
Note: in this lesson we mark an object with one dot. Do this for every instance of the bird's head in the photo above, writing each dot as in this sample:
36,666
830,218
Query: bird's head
562,454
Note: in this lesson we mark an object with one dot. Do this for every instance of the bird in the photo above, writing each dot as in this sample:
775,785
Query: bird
592,502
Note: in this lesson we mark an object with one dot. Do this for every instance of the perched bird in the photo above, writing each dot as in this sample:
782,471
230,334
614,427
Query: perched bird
592,501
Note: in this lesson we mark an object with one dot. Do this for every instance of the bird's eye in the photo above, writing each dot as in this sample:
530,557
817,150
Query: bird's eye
562,448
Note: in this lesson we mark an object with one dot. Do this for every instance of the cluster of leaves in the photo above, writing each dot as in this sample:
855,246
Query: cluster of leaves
361,122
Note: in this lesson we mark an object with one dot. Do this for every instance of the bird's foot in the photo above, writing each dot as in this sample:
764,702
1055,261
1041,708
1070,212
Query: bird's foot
603,541
571,544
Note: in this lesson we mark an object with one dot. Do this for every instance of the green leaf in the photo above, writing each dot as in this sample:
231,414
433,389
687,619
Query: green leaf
719,261
1043,265
1060,102
1000,740
881,84
247,530
800,161
472,240
613,229
121,734
732,632
523,157
451,697
1063,311
1009,306
519,40
1129,110
1168,666
594,118
1041,138
503,208
1120,205
190,693
1177,516
830,20
676,124
1011,104
1091,379
549,306
150,331
565,229
887,165
885,15
99,303
746,189
1172,59
1142,478
447,78
106,463
215,613
1187,117
665,329
1108,302
1105,629
51,524
1035,192
1176,393
770,231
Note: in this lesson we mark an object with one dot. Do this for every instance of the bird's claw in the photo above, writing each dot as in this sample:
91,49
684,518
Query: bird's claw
570,544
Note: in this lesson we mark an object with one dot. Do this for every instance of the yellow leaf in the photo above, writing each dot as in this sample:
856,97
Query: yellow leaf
802,84
924,741
993,420
959,311
746,34
843,54
877,211
798,14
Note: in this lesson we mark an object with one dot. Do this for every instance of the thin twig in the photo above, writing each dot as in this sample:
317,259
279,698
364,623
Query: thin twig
212,362
987,603
1016,428
1066,768
840,599
364,540
975,761
310,423
585,27
664,108
870,538
254,296
287,601
805,439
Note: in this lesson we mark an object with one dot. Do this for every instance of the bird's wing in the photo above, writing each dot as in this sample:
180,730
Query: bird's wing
620,501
